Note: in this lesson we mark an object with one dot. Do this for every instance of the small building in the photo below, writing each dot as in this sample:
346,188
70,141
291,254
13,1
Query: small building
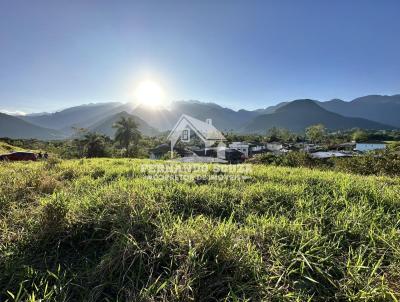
247,149
370,146
311,148
274,146
241,147
349,146
228,155
257,148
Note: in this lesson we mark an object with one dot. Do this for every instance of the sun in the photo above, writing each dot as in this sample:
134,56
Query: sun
150,94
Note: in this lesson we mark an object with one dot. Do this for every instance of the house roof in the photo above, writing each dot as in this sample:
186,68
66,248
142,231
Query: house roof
163,148
329,154
348,144
207,131
372,142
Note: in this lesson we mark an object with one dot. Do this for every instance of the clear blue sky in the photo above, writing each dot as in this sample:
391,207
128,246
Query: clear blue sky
241,54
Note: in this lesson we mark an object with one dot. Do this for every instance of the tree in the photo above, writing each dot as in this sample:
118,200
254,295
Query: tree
127,133
273,134
359,135
95,145
316,133
78,143
280,134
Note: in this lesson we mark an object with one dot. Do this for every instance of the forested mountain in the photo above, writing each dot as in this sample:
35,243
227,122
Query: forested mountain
370,112
14,127
380,108
299,114
105,126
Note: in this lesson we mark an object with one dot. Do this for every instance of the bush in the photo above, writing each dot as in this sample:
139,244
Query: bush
374,163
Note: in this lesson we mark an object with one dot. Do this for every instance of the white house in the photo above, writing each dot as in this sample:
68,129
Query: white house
274,146
204,130
241,146
370,146
248,149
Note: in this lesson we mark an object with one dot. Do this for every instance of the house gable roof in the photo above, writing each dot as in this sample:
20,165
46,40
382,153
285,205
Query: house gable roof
204,130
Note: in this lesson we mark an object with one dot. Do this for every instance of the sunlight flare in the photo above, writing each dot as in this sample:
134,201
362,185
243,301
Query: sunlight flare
150,94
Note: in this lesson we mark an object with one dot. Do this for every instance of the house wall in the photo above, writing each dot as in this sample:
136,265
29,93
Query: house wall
244,148
274,147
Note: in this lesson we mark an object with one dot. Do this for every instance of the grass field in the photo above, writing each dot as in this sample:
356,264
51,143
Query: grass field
100,230
7,148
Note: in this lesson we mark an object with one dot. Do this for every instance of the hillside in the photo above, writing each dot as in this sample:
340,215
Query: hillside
224,119
299,114
383,110
164,119
75,230
105,126
78,116
380,108
88,116
14,127
7,148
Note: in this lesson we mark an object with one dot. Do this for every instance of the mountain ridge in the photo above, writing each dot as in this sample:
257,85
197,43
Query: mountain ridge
300,114
14,127
105,126
383,110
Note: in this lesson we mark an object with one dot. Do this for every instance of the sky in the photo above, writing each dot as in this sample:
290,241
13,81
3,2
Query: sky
240,54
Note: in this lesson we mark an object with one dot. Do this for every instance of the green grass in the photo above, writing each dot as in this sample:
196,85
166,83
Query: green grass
99,230
7,148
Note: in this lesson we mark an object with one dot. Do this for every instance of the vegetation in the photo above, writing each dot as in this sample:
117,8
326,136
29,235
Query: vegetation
360,135
127,134
281,134
75,147
316,133
94,145
101,230
7,148
373,163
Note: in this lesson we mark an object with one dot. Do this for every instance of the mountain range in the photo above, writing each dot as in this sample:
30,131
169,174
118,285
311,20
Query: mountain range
379,108
368,112
105,126
14,127
300,114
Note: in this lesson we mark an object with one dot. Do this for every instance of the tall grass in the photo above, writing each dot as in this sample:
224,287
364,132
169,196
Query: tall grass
99,230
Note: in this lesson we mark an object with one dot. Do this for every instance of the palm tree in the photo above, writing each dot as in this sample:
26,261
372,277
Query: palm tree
127,132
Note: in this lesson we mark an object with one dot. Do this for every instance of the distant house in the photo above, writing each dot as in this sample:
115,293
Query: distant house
257,148
274,146
311,147
242,147
227,155
205,131
370,146
329,154
349,146
248,149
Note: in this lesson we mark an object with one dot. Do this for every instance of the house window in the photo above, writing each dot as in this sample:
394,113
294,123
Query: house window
185,135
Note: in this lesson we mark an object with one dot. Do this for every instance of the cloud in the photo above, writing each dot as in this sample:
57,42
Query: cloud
12,112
